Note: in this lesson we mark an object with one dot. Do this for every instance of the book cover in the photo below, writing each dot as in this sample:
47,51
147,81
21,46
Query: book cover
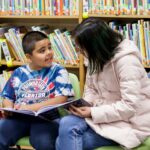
48,112
6,52
0,53
10,46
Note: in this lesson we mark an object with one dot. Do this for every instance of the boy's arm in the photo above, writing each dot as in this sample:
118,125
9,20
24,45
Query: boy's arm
8,93
37,106
7,103
63,89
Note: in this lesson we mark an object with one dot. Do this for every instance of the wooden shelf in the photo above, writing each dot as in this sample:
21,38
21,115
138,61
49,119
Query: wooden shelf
38,17
121,16
15,63
71,66
23,147
34,20
18,63
68,22
146,67
75,17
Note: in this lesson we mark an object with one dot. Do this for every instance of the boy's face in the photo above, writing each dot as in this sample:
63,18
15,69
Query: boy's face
42,55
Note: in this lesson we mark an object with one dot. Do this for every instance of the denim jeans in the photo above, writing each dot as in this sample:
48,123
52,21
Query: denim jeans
75,134
42,134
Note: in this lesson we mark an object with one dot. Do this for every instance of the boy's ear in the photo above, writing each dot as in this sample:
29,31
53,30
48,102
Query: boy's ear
28,57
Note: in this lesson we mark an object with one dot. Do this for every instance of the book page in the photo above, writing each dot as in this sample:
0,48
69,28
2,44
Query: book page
49,112
28,112
76,102
46,108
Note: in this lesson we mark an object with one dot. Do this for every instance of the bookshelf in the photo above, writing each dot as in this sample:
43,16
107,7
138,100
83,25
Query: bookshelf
130,18
121,16
56,22
126,19
70,22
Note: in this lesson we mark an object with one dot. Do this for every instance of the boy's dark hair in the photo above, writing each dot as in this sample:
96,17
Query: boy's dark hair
29,40
98,41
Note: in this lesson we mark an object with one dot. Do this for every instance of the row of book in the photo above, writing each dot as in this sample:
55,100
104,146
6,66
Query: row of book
117,7
39,7
11,47
138,32
63,46
64,50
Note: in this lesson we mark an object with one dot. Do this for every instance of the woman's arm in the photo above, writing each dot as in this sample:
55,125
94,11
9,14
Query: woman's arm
130,73
90,93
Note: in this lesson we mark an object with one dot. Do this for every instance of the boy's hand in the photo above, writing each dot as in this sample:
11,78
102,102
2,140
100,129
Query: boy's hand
6,114
84,112
21,107
24,107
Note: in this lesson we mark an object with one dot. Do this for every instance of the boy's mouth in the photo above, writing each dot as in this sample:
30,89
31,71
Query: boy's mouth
49,59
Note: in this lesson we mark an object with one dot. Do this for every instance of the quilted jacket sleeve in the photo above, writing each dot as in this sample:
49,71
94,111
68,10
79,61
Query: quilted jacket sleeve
90,93
130,74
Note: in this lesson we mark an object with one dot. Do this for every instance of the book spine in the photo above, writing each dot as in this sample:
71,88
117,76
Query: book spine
0,53
6,52
11,48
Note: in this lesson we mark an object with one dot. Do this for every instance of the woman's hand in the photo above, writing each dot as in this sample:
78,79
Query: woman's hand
84,112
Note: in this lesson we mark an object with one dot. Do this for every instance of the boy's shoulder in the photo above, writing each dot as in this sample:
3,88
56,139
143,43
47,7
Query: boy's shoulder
57,66
24,69
21,68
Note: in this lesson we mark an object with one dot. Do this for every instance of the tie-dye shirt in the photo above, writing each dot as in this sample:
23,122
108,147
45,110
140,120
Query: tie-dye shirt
27,86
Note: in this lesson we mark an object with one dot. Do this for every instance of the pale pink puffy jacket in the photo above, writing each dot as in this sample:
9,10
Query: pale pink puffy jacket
121,98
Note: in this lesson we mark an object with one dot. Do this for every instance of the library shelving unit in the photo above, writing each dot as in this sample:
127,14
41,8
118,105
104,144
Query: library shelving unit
68,22
123,19
111,17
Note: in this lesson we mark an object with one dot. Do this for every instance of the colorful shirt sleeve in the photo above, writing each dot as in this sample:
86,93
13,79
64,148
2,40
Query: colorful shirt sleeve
9,91
62,85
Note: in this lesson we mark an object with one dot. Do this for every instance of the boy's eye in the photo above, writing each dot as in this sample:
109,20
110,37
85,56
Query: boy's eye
41,50
50,48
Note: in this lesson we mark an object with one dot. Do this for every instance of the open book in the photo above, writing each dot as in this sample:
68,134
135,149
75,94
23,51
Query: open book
48,112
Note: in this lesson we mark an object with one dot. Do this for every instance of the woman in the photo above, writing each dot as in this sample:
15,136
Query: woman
117,87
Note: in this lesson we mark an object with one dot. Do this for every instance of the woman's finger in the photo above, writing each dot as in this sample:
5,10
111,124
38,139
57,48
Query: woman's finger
75,112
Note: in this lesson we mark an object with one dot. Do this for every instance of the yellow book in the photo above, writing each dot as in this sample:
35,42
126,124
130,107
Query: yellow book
11,47
6,52
43,7
0,53
142,41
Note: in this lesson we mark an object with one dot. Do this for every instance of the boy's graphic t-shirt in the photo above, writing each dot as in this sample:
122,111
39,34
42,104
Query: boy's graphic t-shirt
27,86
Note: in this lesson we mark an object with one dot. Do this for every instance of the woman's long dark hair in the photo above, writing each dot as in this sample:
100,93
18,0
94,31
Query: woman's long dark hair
98,41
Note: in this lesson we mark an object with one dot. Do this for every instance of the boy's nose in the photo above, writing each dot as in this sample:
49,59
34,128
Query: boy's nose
49,52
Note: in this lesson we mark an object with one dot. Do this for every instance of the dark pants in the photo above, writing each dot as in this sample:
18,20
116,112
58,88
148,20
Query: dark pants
42,134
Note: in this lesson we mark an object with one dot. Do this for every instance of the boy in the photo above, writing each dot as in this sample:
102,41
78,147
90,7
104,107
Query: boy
37,84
